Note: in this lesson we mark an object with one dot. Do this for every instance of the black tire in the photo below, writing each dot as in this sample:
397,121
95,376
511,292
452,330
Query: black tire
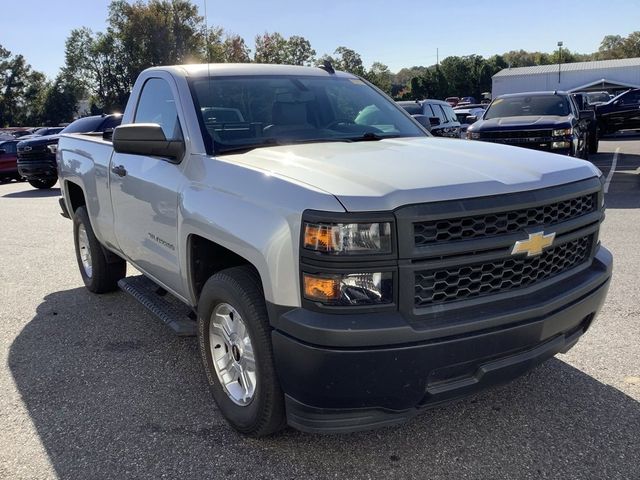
105,273
43,183
240,287
594,140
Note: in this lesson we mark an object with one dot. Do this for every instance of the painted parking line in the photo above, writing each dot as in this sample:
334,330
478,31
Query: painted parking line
614,163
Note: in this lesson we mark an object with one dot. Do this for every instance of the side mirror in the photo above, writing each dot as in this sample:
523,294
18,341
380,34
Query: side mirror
434,121
589,115
471,119
617,102
422,120
2,151
146,139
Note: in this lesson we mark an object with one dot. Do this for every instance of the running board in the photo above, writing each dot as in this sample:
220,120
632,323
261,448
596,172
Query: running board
174,314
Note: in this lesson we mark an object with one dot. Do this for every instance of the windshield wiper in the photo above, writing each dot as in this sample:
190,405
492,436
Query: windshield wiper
372,136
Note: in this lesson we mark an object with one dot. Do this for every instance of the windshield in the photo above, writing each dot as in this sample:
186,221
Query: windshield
239,113
598,97
84,125
528,105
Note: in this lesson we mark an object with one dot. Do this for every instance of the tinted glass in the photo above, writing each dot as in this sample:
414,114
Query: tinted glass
412,108
253,111
528,105
449,113
157,105
84,125
630,98
438,112
9,147
111,122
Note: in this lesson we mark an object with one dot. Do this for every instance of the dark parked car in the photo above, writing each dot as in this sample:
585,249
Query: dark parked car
582,101
42,132
8,161
620,113
549,121
37,156
443,120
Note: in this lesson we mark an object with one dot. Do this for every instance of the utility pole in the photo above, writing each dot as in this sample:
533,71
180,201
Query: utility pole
437,58
559,59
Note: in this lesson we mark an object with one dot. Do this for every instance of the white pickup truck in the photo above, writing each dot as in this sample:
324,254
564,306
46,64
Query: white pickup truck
342,269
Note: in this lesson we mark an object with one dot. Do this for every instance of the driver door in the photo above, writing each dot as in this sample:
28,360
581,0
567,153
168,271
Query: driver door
144,192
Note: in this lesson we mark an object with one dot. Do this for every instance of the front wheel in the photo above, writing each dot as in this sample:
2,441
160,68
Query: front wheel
99,274
43,183
235,344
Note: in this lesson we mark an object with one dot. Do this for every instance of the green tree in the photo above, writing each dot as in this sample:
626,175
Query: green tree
298,51
270,48
380,75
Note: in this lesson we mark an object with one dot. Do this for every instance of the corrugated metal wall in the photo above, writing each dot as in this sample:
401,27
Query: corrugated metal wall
568,80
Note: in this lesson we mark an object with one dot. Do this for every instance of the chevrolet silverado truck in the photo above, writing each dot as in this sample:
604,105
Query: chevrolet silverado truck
341,271
547,121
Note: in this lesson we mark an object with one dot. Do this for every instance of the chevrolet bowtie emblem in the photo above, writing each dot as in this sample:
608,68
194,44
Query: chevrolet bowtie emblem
533,245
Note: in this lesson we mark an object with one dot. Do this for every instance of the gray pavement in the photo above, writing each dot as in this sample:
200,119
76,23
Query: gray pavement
92,387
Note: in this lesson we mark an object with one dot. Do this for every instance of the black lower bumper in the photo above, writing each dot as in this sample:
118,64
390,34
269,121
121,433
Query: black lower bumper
40,170
340,389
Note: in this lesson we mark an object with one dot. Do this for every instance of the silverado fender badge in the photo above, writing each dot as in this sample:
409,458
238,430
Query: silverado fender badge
534,244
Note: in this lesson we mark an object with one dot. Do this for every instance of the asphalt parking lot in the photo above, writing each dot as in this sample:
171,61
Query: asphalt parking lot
93,387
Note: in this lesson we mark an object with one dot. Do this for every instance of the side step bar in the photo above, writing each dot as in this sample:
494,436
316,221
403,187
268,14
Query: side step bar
175,315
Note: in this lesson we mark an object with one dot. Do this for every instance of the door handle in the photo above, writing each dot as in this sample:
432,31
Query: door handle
119,170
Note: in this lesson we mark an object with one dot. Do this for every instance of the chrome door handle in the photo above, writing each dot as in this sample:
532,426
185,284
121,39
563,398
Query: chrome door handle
119,170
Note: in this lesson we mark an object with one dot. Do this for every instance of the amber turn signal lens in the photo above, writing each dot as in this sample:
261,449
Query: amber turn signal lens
319,237
321,289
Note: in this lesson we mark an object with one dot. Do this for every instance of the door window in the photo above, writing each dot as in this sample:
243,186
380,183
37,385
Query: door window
157,105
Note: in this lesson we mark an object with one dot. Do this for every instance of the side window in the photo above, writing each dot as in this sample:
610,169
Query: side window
10,148
428,111
157,105
631,98
437,110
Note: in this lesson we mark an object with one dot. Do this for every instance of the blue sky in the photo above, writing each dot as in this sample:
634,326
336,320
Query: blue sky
402,33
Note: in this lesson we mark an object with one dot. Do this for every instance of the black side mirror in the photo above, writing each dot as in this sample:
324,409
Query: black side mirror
2,151
434,121
588,115
471,119
422,120
146,139
617,102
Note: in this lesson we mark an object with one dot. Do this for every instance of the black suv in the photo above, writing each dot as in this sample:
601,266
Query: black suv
620,113
549,121
37,156
443,121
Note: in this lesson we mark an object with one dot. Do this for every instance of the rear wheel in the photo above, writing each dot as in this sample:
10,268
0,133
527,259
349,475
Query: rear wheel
99,274
594,140
235,344
43,183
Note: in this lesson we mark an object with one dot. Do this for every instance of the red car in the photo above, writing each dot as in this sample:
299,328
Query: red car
8,161
453,101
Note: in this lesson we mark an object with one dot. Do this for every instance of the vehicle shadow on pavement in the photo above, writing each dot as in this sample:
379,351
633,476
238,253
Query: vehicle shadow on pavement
34,193
113,394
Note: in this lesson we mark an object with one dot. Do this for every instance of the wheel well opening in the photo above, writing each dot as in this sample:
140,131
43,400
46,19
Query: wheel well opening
208,258
76,196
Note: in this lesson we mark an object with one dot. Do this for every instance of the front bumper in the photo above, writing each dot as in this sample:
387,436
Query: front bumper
44,168
334,382
543,145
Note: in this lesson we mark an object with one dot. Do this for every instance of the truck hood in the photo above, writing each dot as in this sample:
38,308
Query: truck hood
526,122
387,174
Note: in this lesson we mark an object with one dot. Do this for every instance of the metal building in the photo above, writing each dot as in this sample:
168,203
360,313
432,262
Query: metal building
610,75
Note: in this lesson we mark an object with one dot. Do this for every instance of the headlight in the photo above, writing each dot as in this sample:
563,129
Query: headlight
560,144
348,238
473,135
349,289
53,148
562,132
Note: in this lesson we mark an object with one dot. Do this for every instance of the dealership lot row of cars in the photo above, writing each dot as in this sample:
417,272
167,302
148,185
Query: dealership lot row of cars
569,124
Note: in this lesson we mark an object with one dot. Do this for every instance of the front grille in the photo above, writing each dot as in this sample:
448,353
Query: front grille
501,223
36,154
456,283
505,134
